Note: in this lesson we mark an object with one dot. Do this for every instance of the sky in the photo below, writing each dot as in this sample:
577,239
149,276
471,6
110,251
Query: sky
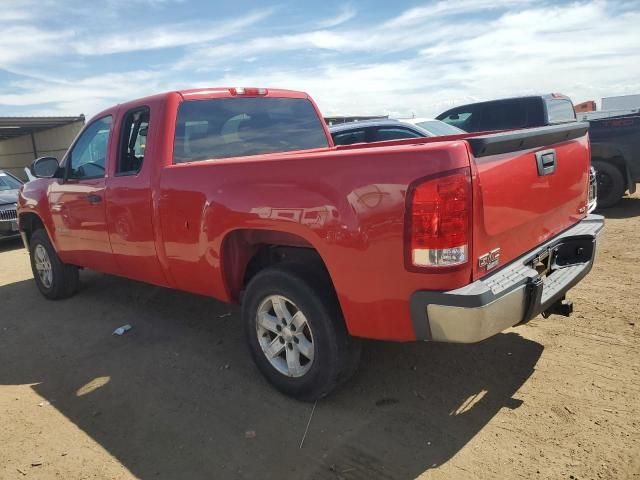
360,57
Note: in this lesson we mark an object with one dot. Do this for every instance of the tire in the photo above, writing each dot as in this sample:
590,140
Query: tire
305,296
54,279
611,186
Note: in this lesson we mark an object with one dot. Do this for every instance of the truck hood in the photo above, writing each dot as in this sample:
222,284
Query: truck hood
8,196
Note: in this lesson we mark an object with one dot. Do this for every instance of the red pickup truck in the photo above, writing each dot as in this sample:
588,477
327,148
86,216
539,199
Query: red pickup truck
239,194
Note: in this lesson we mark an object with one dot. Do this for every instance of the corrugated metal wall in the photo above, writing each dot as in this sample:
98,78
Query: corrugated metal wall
17,153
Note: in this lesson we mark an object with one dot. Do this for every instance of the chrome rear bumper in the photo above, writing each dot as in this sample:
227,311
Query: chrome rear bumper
514,294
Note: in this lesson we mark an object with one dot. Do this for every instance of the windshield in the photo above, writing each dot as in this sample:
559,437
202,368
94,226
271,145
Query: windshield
7,182
437,128
235,127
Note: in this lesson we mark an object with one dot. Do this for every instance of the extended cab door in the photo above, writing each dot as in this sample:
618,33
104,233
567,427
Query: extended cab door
77,202
130,215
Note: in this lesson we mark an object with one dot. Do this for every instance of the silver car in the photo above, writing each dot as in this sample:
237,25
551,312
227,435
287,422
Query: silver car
9,186
387,129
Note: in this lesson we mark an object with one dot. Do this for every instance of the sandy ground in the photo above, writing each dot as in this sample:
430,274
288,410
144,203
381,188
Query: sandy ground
178,398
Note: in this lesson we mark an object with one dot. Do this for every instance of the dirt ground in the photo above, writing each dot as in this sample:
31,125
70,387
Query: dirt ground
177,397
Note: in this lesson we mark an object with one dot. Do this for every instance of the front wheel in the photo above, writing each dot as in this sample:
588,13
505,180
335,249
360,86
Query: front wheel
296,333
54,279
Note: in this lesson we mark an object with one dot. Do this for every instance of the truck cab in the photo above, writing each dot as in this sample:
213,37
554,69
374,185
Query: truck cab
511,113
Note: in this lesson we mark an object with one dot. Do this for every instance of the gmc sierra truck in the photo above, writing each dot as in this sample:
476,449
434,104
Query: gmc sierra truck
239,194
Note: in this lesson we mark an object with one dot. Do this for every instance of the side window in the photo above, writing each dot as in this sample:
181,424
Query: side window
348,138
133,141
88,156
458,118
560,110
394,133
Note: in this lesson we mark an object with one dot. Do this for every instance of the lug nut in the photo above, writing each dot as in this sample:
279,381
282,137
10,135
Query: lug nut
279,328
281,340
295,339
290,346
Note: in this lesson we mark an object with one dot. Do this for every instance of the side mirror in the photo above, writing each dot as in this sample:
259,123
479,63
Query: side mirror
45,167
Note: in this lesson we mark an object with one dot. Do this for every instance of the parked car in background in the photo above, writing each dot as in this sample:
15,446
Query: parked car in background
239,194
525,112
368,131
9,187
435,127
615,153
511,113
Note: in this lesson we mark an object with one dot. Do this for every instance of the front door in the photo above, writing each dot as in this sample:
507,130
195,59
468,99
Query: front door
78,203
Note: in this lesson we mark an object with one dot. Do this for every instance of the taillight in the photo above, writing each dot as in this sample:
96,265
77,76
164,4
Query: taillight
439,220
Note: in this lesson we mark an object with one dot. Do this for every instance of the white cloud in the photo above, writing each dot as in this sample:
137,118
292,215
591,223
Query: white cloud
413,28
422,61
88,95
21,44
166,36
347,12
586,50
418,15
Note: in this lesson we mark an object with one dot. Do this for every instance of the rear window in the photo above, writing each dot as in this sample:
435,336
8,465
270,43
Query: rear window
560,111
235,127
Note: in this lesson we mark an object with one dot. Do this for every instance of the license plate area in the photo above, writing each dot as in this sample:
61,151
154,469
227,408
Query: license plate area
542,262
573,251
563,254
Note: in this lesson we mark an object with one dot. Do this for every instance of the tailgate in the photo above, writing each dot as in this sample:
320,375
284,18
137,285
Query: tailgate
529,185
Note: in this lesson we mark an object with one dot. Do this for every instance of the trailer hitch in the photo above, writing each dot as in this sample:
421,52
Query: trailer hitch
561,307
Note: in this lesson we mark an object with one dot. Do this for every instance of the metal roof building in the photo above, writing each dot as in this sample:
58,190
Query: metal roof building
23,139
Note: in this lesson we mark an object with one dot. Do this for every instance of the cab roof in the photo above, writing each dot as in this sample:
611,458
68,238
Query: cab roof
212,92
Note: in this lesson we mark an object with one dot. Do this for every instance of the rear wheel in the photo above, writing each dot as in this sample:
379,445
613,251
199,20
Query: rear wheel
610,184
54,279
296,333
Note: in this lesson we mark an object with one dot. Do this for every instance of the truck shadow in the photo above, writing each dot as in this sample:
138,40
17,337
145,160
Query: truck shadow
628,207
176,395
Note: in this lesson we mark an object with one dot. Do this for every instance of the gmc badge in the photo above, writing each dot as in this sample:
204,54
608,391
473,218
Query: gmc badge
490,260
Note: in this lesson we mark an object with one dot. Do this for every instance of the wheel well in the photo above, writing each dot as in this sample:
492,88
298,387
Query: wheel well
29,223
247,252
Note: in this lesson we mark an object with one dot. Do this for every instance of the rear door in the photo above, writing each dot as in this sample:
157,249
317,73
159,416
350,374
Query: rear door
529,185
78,202
130,215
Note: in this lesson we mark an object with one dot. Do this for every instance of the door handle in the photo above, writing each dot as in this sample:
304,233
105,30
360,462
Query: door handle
546,162
93,198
